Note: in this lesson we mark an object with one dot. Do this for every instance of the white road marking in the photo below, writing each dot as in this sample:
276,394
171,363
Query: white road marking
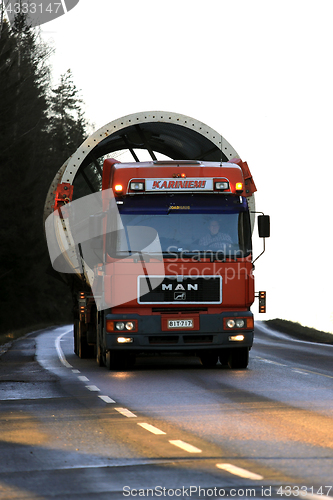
125,412
304,494
264,360
83,378
76,371
311,496
238,471
60,351
152,428
106,399
297,370
302,372
93,388
314,373
185,446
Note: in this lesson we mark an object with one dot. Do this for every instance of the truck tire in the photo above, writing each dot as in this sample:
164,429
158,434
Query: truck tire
100,353
119,360
223,357
84,349
238,358
208,359
76,342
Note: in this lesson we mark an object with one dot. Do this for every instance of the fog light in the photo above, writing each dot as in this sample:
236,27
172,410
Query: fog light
236,338
120,325
230,323
240,323
124,340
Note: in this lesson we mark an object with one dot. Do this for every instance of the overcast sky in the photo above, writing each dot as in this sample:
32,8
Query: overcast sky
257,71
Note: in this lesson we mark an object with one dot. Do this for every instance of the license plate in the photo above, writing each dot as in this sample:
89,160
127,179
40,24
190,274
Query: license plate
180,323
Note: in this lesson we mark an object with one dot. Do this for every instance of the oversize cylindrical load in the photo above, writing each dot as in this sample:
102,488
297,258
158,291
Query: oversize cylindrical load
154,135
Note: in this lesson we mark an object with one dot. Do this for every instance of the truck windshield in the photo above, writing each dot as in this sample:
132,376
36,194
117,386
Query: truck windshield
192,227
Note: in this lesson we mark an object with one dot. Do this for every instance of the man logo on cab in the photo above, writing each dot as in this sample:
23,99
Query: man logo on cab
179,296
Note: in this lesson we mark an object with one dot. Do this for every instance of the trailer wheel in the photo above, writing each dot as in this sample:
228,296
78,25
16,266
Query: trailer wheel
238,358
208,359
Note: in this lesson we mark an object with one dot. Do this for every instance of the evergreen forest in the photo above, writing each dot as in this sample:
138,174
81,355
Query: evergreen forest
40,126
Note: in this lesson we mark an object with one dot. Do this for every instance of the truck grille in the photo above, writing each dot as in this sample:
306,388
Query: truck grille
180,290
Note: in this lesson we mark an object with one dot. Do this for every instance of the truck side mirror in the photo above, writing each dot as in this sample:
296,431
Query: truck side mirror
264,226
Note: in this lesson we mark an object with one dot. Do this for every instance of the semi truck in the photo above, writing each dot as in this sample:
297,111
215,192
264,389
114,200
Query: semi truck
157,250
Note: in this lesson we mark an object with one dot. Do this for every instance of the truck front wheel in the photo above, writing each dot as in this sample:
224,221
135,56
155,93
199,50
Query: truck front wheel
238,358
119,360
99,353
208,359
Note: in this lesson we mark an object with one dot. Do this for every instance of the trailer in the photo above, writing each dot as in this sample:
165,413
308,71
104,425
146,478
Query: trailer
158,252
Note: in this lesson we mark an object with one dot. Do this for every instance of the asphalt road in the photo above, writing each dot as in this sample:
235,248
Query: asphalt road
167,428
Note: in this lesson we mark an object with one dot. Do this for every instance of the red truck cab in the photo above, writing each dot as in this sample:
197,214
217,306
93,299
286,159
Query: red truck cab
186,282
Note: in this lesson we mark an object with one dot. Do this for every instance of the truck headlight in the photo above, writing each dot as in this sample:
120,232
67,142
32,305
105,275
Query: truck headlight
120,325
239,323
231,323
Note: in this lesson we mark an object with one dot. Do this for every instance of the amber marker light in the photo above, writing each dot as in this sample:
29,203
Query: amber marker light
239,186
183,176
118,188
109,325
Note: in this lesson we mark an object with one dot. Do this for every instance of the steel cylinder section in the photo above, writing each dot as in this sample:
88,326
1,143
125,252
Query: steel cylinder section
173,135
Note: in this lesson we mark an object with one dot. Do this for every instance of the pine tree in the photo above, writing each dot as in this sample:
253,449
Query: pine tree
23,109
67,125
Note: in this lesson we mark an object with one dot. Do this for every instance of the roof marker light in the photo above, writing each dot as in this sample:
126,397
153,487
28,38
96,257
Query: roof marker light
137,186
178,175
222,185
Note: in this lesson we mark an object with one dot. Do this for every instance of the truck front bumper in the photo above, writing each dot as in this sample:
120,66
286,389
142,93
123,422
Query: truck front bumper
149,337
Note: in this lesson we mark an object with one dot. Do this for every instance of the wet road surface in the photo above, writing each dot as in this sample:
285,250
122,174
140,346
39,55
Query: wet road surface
168,427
